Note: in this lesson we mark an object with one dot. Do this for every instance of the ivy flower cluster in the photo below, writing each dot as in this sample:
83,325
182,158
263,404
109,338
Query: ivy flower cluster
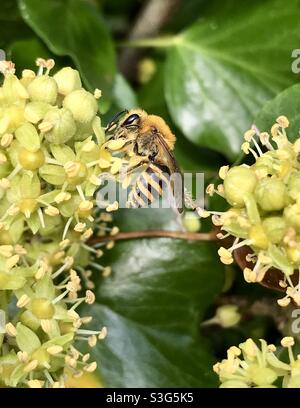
251,366
264,211
51,157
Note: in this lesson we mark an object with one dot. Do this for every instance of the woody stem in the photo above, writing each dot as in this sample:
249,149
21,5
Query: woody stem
189,236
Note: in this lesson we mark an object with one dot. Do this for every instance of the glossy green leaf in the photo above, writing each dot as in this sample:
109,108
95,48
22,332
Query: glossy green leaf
190,157
75,28
24,53
222,69
124,97
286,103
12,27
152,305
123,94
150,94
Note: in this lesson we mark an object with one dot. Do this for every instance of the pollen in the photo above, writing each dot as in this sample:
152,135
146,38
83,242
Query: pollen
287,342
6,140
283,121
35,383
103,333
97,93
89,297
53,350
30,366
23,301
79,227
90,367
10,330
112,207
248,135
52,211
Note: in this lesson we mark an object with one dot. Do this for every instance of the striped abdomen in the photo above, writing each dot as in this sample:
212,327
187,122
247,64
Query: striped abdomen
149,186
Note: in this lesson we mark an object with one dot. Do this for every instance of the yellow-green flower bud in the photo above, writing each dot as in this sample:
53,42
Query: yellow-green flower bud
27,76
28,137
82,104
270,194
293,186
84,130
43,89
258,237
146,70
191,222
262,375
263,165
239,181
68,80
63,125
228,315
293,254
13,89
15,116
42,308
35,111
31,160
274,228
292,216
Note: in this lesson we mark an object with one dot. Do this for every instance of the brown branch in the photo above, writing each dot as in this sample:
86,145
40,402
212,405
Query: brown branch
148,23
189,236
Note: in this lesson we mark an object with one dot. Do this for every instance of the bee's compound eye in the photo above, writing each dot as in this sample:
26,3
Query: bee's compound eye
131,119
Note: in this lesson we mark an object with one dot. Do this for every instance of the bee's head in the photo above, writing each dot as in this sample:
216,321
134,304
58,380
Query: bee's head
120,125
132,121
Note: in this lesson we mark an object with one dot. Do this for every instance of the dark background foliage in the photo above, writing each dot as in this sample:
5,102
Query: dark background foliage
209,68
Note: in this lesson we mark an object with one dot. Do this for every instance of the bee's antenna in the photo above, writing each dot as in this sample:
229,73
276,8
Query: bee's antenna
114,120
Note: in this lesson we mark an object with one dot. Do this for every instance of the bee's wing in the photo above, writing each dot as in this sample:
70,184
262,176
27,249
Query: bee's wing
167,158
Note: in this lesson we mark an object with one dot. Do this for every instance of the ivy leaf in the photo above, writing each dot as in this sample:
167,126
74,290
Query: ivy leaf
34,49
189,156
286,103
124,96
152,305
75,28
12,27
221,70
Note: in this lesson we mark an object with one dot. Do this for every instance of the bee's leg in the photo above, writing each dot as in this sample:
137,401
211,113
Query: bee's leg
135,200
128,170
